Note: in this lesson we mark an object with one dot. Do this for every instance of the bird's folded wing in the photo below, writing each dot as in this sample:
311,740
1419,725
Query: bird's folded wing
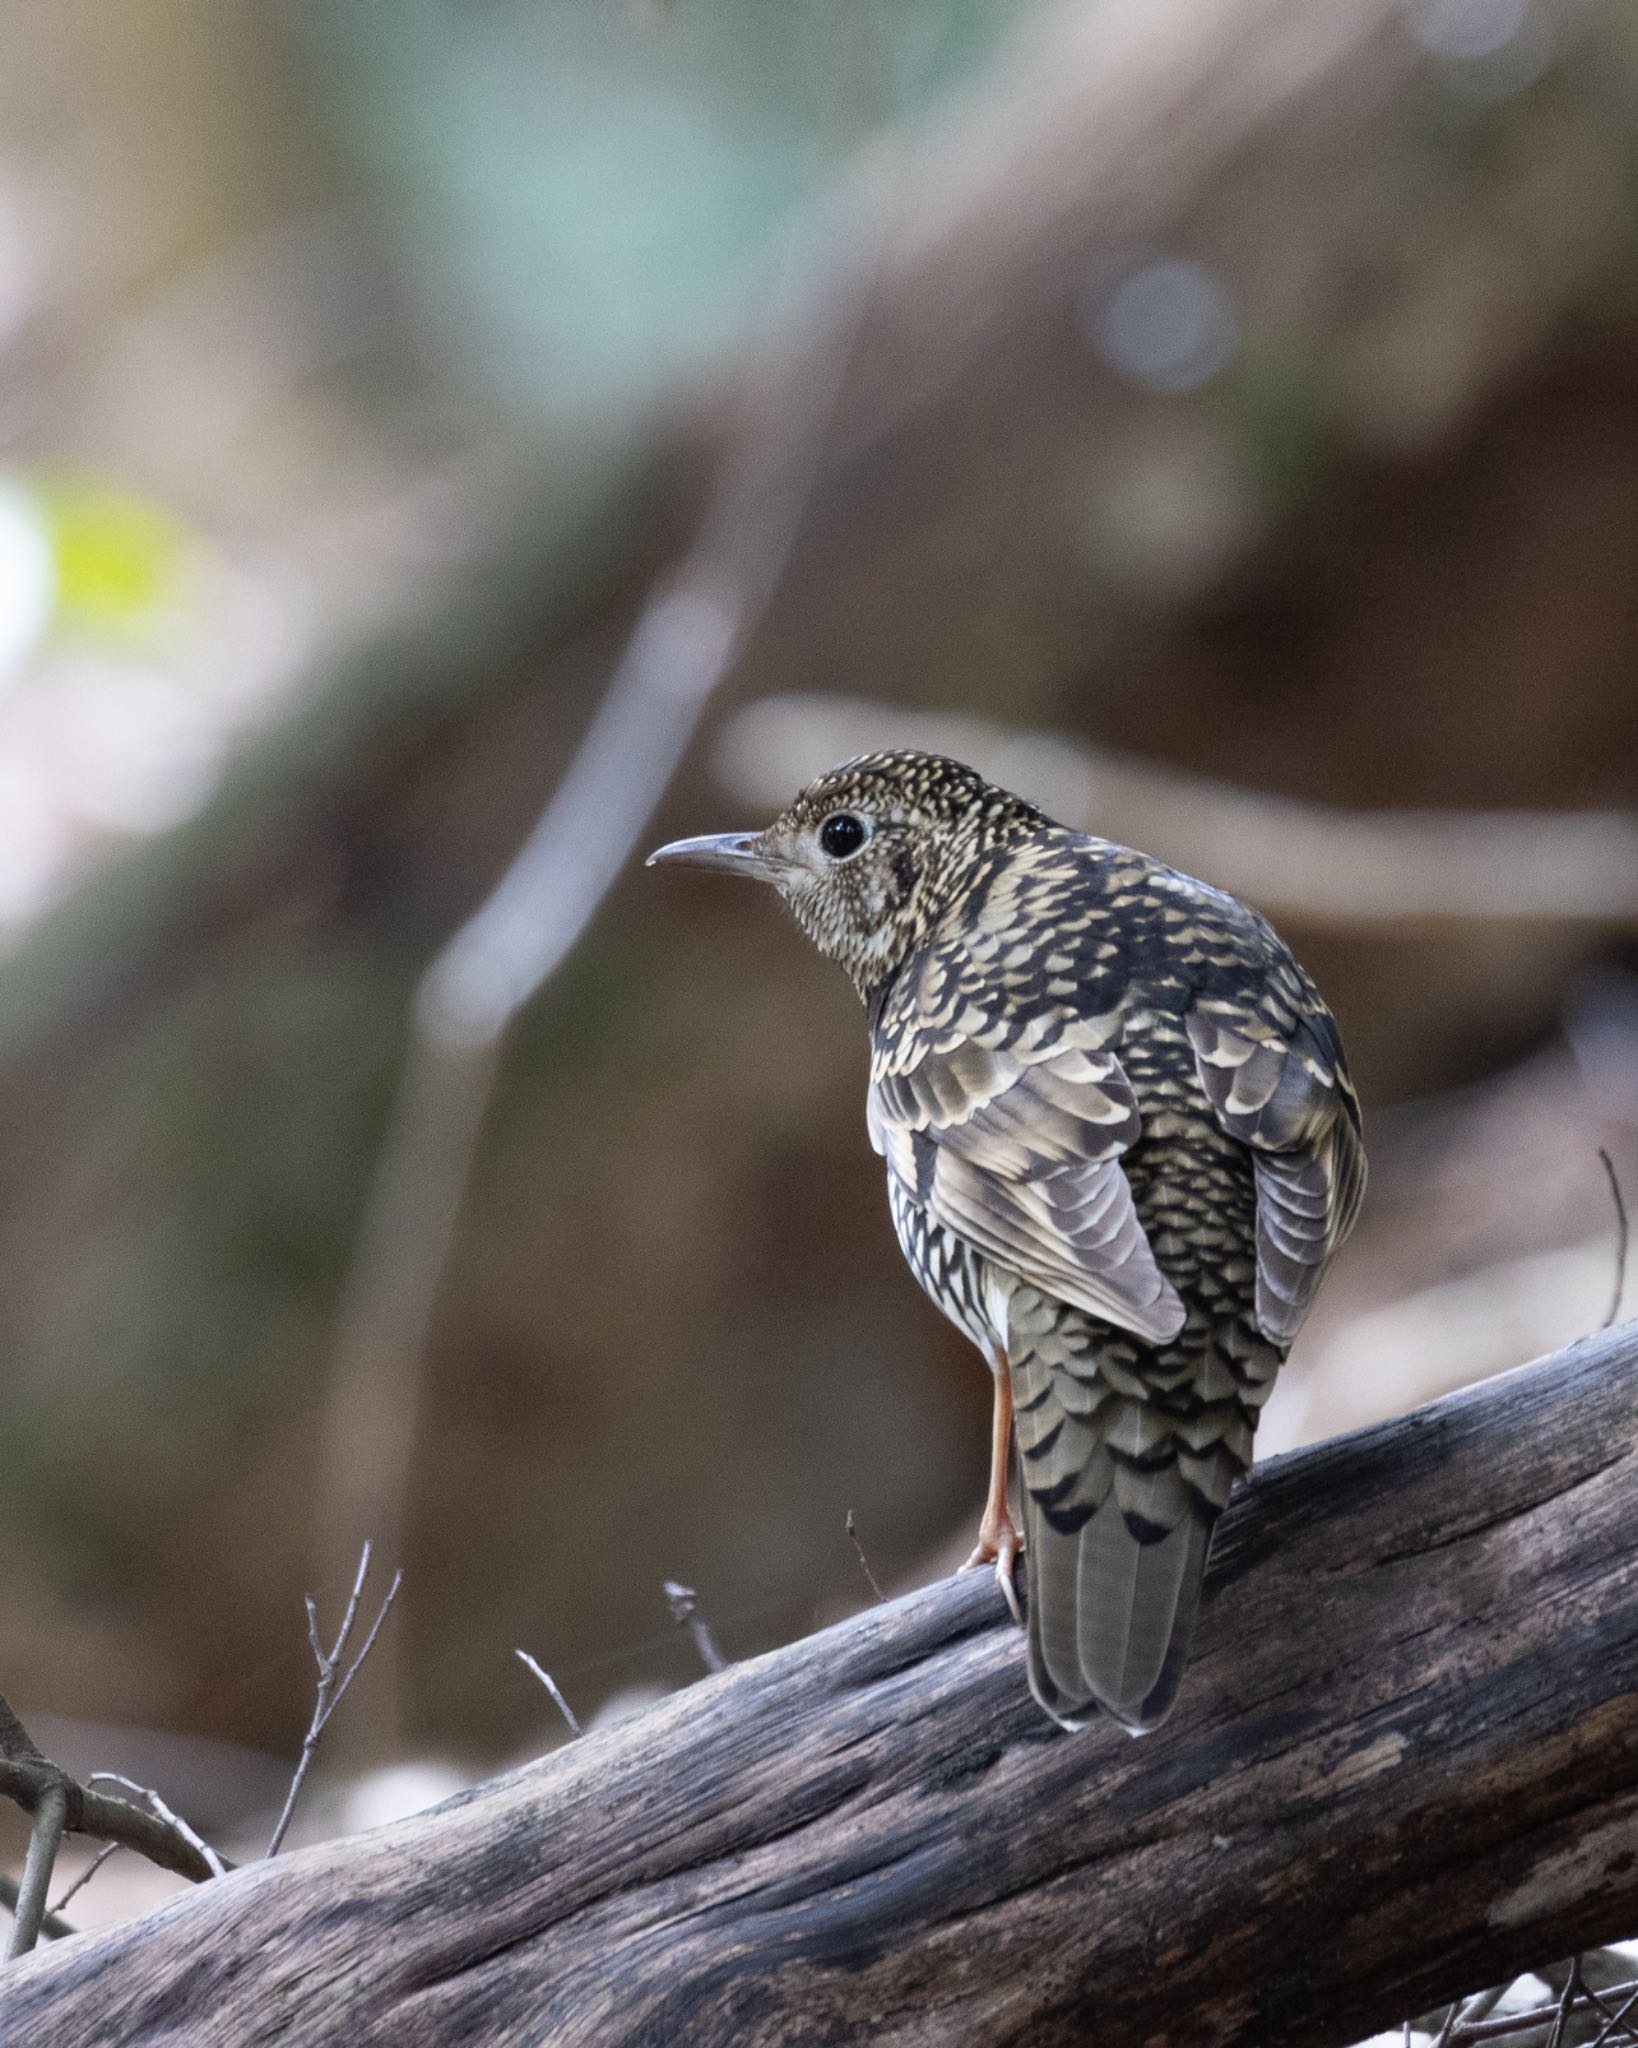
1016,1148
1279,1086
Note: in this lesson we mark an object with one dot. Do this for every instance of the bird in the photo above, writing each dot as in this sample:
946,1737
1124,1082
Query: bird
1122,1148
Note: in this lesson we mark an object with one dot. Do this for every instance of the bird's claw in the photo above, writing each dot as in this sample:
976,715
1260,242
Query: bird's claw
1001,1544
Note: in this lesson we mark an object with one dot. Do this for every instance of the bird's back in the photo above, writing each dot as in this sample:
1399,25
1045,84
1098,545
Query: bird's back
1119,1133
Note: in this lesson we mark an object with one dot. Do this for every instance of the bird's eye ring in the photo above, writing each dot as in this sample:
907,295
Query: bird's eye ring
842,834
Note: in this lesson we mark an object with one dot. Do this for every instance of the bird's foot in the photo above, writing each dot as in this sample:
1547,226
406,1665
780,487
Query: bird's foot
1001,1543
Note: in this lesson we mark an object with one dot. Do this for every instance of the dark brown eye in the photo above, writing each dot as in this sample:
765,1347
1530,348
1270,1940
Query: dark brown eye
842,835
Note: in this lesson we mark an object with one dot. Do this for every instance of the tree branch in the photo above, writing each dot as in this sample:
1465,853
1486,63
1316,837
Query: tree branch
1317,864
27,1777
45,1839
1405,1763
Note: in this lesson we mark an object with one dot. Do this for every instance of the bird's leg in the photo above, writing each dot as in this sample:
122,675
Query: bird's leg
999,1538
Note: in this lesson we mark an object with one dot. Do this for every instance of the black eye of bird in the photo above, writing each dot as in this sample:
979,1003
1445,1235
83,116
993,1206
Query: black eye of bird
842,835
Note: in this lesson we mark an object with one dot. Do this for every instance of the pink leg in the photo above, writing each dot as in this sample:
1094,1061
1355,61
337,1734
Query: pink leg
1000,1541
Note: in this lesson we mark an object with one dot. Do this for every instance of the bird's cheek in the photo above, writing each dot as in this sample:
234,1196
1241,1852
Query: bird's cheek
880,901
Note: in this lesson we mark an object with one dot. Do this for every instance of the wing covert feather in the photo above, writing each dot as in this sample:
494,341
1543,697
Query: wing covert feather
1017,1150
1286,1094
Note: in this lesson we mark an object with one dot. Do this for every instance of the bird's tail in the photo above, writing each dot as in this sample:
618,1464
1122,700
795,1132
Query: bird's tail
1110,1617
1125,1472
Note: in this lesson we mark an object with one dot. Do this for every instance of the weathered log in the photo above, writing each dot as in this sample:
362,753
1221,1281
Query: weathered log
1405,1762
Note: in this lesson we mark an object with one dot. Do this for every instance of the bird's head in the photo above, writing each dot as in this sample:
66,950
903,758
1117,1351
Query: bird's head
869,854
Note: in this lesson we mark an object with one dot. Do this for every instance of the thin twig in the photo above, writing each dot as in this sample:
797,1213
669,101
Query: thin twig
1594,1999
1566,1999
551,1686
1607,2031
52,1926
161,1811
864,1562
1467,2010
108,1849
1470,2032
26,1775
331,1691
684,1604
45,1839
1622,1235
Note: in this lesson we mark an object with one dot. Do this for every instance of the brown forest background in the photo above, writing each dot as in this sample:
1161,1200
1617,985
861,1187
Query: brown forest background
362,375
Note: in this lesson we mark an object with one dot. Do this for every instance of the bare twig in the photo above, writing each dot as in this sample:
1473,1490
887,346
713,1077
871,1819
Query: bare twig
52,1926
1594,1995
684,1604
1466,2010
73,1891
27,1775
864,1562
551,1686
332,1689
1469,2032
1607,2031
111,1820
1566,2000
45,1839
157,1806
1622,1236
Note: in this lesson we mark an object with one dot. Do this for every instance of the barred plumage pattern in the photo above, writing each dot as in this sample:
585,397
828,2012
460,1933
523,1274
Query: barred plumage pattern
1121,1149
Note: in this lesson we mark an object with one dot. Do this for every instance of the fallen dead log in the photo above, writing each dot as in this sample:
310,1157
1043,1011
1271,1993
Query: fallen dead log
1405,1763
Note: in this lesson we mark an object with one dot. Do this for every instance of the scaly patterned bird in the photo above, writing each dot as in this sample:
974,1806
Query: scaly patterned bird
1122,1148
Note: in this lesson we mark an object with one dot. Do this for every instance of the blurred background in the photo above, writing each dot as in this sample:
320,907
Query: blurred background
1220,423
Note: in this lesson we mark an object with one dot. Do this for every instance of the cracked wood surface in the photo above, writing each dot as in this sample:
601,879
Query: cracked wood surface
1405,1762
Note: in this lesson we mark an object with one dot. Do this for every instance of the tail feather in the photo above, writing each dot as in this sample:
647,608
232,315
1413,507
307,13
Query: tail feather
1127,1456
1110,1618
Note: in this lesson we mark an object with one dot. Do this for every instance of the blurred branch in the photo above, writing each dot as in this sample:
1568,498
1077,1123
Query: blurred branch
1301,861
1479,2022
1466,2012
685,639
49,1818
52,1925
1621,1236
110,1820
158,1808
1304,164
57,1803
1409,1714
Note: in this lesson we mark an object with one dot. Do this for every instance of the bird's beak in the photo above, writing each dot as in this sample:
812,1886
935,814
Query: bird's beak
736,853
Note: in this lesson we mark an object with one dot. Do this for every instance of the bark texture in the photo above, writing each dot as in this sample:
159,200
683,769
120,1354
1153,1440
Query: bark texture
1405,1762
